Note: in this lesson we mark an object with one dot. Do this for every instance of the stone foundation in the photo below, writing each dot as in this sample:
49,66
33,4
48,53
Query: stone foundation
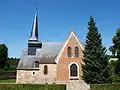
77,85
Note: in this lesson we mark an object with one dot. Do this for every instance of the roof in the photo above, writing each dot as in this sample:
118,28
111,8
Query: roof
66,42
45,55
34,31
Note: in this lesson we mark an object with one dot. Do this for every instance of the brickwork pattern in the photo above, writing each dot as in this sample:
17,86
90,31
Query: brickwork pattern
64,61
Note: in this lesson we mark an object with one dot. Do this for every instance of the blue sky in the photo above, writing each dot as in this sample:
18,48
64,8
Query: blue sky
56,18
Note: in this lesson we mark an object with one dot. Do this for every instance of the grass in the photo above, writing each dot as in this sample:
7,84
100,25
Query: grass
7,85
105,87
31,87
8,81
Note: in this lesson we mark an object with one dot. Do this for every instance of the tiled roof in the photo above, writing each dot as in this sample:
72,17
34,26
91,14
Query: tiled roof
45,55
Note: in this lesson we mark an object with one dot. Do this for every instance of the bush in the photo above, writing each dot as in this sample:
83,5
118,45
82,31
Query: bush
116,79
8,73
7,77
105,87
31,87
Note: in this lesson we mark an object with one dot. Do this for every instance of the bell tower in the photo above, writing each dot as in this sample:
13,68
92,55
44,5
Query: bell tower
33,42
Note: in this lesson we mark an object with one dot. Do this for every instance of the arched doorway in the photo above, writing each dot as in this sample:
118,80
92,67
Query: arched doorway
73,71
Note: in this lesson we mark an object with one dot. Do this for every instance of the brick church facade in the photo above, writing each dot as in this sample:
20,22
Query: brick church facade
50,62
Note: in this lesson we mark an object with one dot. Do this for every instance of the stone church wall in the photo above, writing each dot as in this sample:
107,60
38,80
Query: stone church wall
37,76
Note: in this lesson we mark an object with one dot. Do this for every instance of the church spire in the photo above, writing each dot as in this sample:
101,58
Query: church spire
33,42
34,31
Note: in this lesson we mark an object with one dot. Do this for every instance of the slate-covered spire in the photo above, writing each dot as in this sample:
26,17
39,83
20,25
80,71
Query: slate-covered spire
34,31
33,42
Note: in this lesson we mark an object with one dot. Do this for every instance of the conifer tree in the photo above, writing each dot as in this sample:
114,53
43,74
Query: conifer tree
95,69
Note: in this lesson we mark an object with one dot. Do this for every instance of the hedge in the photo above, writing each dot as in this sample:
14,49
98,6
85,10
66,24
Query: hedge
116,79
7,77
7,73
31,87
105,87
55,87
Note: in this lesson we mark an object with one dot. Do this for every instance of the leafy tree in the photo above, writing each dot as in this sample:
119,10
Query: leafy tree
95,69
115,49
3,55
115,72
117,68
12,63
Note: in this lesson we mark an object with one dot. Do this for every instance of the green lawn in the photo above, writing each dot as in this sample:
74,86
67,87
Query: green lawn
8,81
9,85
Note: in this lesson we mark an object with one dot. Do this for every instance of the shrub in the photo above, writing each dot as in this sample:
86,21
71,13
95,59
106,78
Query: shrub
8,73
116,79
105,87
31,87
7,77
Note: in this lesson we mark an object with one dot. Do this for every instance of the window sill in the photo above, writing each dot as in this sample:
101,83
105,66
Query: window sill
74,78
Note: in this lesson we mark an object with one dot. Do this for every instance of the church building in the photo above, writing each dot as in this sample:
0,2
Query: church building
50,62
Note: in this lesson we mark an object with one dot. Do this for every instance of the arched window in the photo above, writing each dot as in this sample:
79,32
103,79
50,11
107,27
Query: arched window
76,51
36,64
69,52
45,69
73,70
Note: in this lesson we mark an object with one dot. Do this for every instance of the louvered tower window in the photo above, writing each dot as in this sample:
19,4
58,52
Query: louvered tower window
36,64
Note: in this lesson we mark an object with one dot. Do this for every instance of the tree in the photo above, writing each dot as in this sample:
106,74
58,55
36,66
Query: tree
3,55
115,72
12,63
115,49
95,69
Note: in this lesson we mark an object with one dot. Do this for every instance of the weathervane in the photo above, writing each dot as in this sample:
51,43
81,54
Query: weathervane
36,7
